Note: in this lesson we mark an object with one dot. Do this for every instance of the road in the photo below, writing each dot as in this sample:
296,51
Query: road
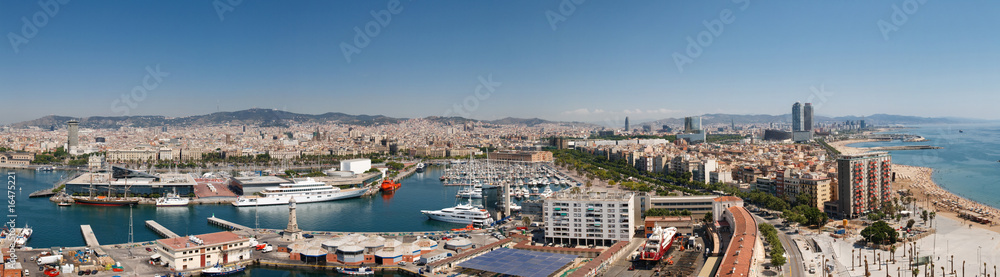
794,266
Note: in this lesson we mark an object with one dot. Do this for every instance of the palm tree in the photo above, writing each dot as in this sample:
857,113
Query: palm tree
932,214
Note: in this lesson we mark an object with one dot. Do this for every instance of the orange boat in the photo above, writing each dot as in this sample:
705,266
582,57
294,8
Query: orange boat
467,228
389,185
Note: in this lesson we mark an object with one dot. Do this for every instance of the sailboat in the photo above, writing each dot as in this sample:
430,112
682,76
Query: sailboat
106,200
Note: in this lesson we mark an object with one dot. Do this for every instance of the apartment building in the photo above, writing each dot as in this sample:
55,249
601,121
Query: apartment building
863,183
598,218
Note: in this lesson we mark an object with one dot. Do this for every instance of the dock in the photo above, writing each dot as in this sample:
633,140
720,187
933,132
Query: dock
160,230
89,237
91,240
52,191
226,224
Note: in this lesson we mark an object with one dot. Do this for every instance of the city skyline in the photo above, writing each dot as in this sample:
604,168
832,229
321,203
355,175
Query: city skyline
589,62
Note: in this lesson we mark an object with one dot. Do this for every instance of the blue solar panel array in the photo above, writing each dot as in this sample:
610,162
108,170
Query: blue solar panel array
519,262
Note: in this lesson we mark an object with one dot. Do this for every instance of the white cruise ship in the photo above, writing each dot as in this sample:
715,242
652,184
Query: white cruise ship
305,191
462,213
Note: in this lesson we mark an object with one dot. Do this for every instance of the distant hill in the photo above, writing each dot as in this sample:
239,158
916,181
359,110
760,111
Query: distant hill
875,119
254,117
259,117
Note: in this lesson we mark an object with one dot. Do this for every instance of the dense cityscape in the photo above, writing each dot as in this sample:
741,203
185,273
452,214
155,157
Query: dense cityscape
561,138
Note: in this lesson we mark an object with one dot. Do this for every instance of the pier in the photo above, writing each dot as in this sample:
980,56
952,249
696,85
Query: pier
226,224
89,237
55,188
160,230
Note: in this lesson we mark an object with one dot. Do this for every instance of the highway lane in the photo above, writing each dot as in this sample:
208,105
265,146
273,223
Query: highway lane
794,265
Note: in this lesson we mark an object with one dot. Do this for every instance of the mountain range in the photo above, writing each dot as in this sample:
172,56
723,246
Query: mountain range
256,117
278,118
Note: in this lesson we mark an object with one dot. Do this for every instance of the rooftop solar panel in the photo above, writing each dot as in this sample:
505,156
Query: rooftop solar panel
519,262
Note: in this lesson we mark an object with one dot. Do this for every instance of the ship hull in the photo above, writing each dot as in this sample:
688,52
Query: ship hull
283,200
665,242
106,203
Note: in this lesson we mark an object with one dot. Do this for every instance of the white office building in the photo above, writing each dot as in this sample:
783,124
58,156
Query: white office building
357,166
595,218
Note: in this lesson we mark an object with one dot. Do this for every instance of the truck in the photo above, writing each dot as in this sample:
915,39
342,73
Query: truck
49,260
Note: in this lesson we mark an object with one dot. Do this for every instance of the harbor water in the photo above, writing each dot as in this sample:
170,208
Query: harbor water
968,163
399,212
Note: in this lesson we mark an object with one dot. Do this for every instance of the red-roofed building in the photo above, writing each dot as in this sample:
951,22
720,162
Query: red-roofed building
720,204
745,248
185,253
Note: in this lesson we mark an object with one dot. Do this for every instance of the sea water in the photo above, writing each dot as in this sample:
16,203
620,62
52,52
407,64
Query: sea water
967,165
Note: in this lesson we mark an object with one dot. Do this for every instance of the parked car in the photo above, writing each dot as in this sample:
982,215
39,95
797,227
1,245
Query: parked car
308,236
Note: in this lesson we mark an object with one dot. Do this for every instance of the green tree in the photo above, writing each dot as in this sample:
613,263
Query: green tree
909,223
803,199
526,220
777,257
708,217
880,233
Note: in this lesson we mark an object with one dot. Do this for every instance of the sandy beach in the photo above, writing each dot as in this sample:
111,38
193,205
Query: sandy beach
929,195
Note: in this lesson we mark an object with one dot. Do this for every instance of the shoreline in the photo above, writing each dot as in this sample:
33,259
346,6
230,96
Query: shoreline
928,194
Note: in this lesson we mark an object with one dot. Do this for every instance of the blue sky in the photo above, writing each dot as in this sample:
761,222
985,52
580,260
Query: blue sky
607,59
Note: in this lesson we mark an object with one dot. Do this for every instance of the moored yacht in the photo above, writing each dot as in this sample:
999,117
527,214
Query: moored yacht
304,191
462,213
172,200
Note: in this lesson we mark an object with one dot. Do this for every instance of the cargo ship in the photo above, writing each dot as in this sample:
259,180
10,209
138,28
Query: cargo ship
389,186
658,243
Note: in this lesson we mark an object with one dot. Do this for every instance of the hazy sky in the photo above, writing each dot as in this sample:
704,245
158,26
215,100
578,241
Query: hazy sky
592,61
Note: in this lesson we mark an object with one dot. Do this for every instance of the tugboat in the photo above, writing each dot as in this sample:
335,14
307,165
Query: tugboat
388,186
218,270
356,271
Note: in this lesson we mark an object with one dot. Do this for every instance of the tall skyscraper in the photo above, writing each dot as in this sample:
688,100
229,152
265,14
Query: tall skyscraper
797,117
807,118
626,124
863,183
74,139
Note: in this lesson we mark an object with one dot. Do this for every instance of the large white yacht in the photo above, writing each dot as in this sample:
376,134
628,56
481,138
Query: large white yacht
462,213
304,191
